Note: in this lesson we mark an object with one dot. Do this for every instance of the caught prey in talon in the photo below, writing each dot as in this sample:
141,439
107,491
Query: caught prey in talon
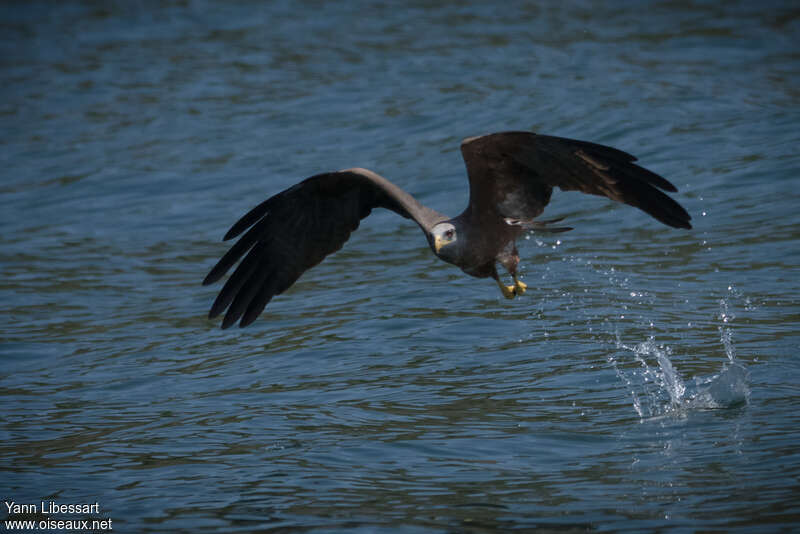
511,177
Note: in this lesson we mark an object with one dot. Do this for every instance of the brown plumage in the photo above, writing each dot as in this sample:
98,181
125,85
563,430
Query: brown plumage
511,179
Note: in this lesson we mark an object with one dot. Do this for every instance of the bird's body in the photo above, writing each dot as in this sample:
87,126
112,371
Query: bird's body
511,177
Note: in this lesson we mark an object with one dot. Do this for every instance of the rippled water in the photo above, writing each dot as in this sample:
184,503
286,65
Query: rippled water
646,381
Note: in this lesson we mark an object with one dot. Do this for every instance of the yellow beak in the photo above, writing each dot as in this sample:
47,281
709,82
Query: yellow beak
437,243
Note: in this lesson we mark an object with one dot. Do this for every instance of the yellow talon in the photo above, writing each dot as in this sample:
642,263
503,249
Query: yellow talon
520,287
509,292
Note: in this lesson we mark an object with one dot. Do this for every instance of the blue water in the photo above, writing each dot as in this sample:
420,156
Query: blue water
648,380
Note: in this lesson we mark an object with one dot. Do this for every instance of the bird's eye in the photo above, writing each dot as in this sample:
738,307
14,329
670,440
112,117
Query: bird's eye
449,234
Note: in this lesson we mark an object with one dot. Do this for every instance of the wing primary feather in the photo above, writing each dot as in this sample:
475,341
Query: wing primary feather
259,302
249,218
658,204
238,279
244,244
608,151
652,178
245,296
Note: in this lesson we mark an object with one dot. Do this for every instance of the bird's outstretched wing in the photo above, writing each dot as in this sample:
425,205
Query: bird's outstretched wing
512,174
294,230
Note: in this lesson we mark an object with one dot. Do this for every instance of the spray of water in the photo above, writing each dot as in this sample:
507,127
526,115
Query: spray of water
656,385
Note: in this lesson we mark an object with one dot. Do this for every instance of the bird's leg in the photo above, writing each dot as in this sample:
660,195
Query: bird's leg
509,292
510,259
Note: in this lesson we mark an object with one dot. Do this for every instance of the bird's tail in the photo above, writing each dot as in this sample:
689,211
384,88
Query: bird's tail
539,226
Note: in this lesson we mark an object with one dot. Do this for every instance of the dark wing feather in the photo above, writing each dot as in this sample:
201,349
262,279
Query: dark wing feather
512,174
294,230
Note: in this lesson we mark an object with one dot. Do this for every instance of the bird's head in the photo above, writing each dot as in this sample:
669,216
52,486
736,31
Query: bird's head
444,241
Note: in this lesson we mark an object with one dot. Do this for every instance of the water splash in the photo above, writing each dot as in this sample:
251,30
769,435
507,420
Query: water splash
657,388
726,335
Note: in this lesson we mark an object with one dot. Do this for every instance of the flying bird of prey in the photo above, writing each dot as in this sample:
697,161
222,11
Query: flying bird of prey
511,177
